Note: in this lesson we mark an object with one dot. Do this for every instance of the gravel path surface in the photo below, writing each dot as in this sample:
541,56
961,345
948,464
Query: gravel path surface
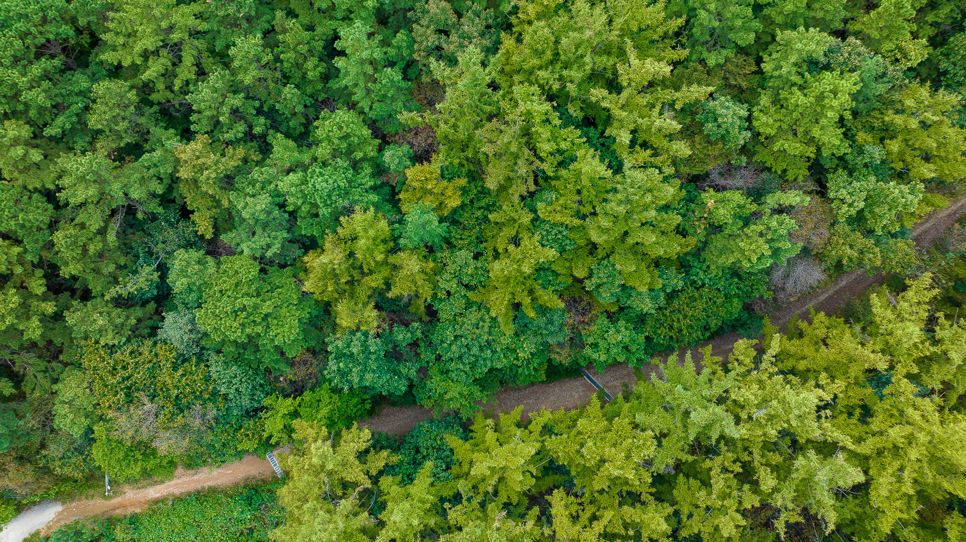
29,521
563,394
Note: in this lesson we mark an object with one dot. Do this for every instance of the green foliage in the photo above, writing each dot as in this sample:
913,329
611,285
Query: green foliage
427,443
468,353
737,233
206,170
325,192
888,29
499,460
441,33
374,364
355,264
342,469
717,30
366,79
245,513
476,193
877,204
854,251
424,186
343,135
261,229
254,318
241,388
793,428
421,228
152,404
124,461
726,120
74,405
922,137
800,112
322,406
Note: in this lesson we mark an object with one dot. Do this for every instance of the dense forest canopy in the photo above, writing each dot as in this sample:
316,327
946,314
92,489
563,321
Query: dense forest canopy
220,218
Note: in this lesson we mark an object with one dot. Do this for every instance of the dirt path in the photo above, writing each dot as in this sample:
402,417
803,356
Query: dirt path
562,394
134,500
573,392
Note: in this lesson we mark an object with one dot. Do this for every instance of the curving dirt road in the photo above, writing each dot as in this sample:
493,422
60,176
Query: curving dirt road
562,394
133,500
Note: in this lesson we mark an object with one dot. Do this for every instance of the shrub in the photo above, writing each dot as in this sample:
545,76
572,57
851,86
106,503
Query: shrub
796,277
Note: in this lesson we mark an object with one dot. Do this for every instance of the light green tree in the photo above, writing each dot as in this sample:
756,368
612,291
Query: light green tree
355,264
259,319
328,478
800,113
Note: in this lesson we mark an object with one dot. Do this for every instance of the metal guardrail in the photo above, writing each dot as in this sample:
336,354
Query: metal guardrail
271,459
596,384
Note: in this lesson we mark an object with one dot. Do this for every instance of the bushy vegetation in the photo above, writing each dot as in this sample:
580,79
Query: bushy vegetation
240,514
220,220
831,431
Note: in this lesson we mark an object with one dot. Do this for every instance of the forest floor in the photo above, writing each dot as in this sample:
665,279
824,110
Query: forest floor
562,394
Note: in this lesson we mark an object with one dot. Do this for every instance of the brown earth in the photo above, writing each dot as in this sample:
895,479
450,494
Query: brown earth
562,394
134,500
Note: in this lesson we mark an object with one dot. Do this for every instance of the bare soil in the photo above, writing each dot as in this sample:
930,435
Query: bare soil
134,500
562,394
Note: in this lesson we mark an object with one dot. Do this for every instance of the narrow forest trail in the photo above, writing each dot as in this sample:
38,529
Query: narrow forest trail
562,394
573,392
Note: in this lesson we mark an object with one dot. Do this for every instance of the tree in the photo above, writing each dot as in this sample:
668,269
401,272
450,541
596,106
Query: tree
425,186
888,29
717,30
25,303
726,120
513,282
499,462
723,223
366,78
617,218
355,264
258,319
148,400
440,33
411,509
375,364
891,371
206,170
324,193
861,195
604,458
261,229
343,469
421,228
161,44
343,135
921,137
629,53
322,406
800,112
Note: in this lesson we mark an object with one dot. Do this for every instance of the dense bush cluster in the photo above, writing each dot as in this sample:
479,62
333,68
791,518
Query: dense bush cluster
245,514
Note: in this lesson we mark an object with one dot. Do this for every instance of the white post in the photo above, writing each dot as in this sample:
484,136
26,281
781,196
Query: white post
107,486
